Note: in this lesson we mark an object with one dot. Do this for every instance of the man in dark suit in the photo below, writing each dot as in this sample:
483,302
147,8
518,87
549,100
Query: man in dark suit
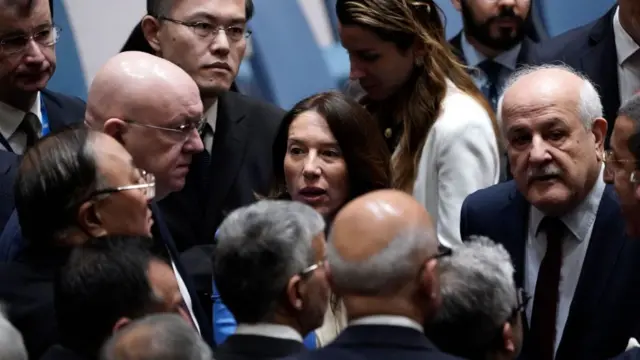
382,256
270,325
605,51
208,40
558,217
27,110
493,41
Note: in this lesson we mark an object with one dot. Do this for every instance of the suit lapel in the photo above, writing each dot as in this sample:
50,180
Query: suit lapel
58,120
606,243
600,62
226,160
515,231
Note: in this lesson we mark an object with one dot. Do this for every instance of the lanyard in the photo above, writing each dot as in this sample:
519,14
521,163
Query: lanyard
44,120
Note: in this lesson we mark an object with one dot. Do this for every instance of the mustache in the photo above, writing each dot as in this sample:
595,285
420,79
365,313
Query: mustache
506,13
538,173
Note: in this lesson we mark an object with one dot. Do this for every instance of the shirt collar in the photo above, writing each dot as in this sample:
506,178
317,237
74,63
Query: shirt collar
508,59
577,220
387,320
211,114
277,331
625,46
12,117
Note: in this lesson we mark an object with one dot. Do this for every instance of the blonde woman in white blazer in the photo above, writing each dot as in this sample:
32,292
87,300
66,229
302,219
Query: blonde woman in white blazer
440,129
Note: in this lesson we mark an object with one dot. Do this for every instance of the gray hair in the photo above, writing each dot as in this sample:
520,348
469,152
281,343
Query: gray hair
259,248
385,272
157,337
589,103
11,343
631,109
478,296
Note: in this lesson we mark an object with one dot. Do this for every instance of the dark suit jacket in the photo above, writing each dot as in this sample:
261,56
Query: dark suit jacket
456,45
59,352
377,342
62,111
633,354
254,347
604,313
26,288
590,49
240,167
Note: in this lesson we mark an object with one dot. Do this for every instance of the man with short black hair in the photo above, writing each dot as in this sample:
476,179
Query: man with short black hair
105,284
270,273
27,110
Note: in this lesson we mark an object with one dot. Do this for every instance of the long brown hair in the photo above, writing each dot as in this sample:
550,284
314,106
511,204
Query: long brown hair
358,136
418,104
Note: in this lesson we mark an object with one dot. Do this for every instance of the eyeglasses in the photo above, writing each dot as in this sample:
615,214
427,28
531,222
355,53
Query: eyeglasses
311,268
608,157
147,184
16,44
523,299
181,131
205,30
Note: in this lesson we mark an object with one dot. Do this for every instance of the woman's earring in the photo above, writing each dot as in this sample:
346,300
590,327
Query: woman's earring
419,62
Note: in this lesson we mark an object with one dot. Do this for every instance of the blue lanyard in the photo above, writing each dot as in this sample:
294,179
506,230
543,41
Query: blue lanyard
44,120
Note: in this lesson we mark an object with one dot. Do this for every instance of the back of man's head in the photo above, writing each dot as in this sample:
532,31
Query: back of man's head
156,337
259,249
55,177
104,281
11,344
479,299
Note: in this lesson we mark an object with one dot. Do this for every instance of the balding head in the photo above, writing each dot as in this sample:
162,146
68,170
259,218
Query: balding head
378,243
154,109
551,117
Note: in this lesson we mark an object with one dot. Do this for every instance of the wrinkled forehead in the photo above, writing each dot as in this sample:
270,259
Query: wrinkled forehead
522,107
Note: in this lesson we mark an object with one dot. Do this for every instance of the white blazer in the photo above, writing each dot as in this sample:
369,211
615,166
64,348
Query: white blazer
459,157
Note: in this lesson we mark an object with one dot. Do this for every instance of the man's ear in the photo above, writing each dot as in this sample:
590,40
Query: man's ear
89,220
599,131
293,292
509,343
151,29
115,128
121,323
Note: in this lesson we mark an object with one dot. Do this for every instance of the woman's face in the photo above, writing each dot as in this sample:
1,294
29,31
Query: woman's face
378,65
314,168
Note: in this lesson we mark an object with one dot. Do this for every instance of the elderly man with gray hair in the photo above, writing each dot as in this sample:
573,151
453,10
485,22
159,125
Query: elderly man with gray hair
156,337
11,344
558,219
481,312
269,272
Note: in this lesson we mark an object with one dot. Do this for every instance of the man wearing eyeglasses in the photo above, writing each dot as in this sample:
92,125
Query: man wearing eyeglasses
623,171
27,110
208,39
277,249
481,312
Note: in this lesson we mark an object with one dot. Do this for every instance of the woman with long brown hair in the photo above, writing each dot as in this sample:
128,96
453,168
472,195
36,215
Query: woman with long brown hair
440,129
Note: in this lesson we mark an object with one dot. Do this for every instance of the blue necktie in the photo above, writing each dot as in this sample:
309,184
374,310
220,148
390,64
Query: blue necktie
310,341
490,90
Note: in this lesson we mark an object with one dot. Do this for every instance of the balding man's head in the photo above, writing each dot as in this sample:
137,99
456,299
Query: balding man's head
551,117
153,107
379,245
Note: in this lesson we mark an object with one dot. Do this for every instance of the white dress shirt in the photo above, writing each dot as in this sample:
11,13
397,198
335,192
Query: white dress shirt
10,120
211,115
387,320
277,331
574,248
185,295
460,156
628,61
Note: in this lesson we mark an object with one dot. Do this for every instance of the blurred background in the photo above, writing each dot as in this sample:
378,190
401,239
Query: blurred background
299,34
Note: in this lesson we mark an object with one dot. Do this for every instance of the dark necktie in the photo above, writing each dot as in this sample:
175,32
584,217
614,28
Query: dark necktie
206,153
547,293
29,127
490,89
